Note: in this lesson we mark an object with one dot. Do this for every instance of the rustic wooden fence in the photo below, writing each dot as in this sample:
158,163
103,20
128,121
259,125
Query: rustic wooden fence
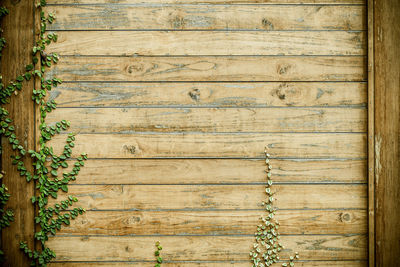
174,103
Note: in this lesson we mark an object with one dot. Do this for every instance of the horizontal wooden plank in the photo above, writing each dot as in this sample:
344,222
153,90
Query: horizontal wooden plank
210,94
215,222
205,145
206,197
219,171
133,2
130,248
268,68
178,43
207,17
103,120
208,264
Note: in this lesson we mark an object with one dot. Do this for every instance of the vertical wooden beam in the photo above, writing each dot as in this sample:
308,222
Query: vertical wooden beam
387,130
18,30
371,137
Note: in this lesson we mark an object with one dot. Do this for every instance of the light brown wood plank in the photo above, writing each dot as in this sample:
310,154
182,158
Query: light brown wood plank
209,264
297,2
17,28
210,69
325,247
215,222
208,17
189,145
177,43
214,171
206,197
130,120
210,94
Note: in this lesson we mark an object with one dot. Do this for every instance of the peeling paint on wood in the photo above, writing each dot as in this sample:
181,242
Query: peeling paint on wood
221,68
328,247
272,94
177,43
217,197
207,17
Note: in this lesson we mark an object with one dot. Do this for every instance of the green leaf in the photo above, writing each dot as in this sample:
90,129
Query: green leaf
29,67
64,164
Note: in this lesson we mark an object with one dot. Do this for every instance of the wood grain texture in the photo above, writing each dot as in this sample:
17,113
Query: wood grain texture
248,2
15,56
273,94
371,137
387,131
189,145
116,223
153,109
102,120
219,171
207,17
212,197
208,264
131,248
178,43
273,68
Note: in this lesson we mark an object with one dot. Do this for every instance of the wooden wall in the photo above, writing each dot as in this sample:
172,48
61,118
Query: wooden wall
174,102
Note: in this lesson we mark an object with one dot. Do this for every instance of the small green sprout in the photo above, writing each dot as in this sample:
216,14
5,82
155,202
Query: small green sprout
157,254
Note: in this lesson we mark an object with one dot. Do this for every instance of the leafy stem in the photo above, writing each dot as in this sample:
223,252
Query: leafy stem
267,247
48,181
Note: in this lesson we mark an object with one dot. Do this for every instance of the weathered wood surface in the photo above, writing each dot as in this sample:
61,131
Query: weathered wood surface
118,223
272,94
217,68
371,135
249,2
130,120
208,17
209,264
15,56
387,131
178,43
168,119
189,145
219,171
225,197
132,248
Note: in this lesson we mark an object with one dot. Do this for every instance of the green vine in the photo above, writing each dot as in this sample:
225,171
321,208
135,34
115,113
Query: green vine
267,247
49,219
6,214
157,254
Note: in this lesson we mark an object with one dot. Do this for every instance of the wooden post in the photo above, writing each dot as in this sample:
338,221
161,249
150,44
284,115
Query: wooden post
371,137
386,82
19,33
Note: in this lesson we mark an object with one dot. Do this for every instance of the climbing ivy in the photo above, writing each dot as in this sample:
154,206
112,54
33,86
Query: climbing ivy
267,247
46,164
157,254
6,215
